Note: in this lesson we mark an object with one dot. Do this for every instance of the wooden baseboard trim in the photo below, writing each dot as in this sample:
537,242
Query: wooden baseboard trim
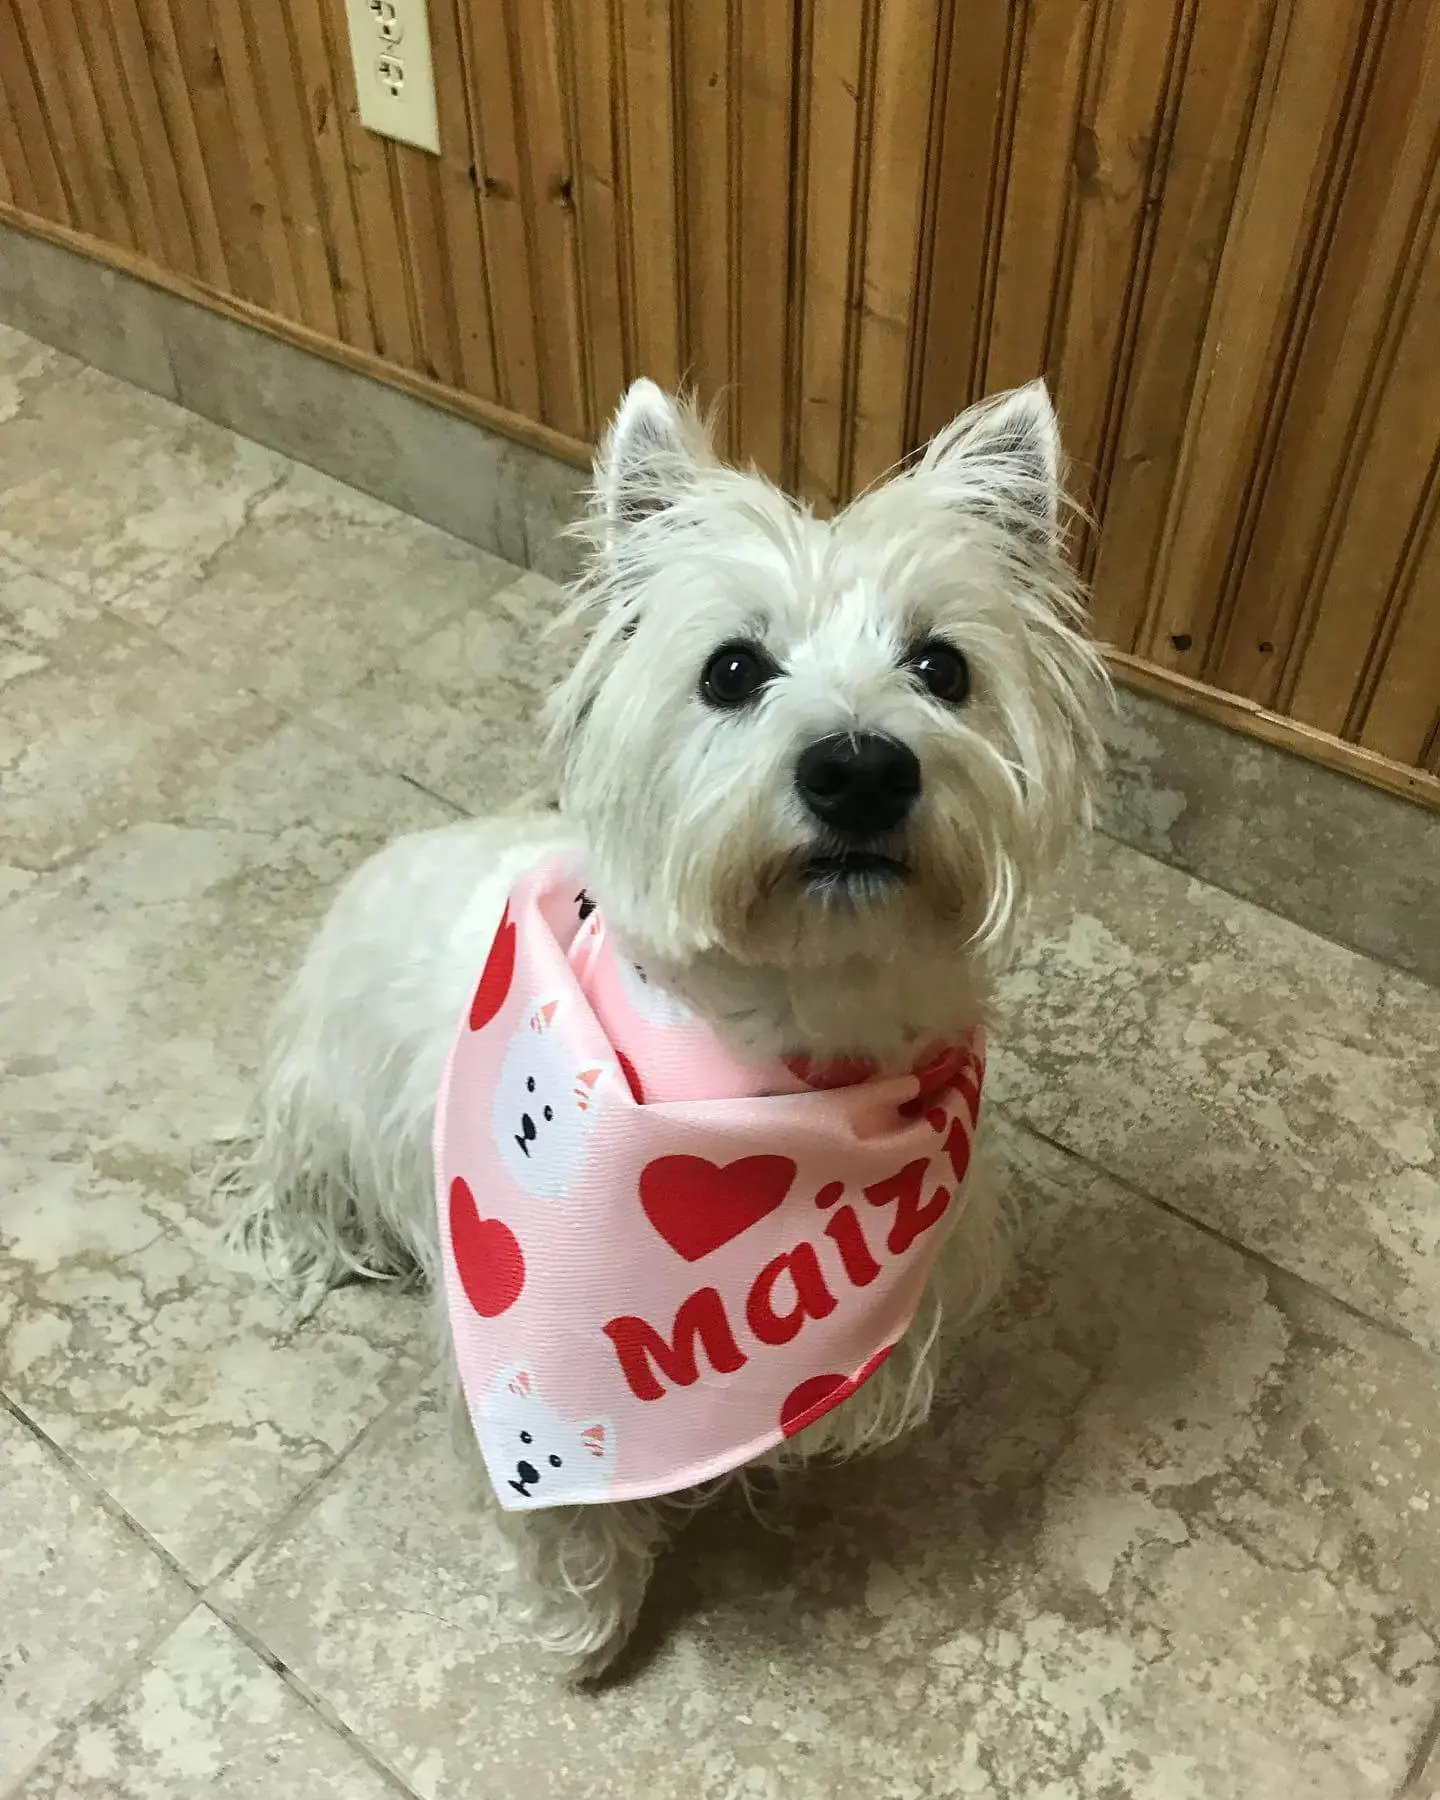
1274,728
1224,709
363,362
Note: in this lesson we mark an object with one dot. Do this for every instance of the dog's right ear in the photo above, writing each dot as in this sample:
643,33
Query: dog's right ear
652,452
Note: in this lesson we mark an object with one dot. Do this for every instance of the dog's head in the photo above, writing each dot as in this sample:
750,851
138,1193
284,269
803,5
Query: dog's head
799,740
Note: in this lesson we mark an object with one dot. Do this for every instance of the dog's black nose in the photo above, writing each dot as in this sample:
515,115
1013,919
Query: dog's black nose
528,1473
859,784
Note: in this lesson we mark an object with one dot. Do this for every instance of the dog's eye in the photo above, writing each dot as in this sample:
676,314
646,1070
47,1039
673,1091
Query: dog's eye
734,676
529,1084
941,670
554,1462
525,1438
549,1114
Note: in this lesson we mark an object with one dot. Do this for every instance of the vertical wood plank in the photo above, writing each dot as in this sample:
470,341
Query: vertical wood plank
97,39
904,61
650,194
502,205
41,61
160,173
707,104
163,49
33,152
203,79
1364,582
1399,717
373,194
548,195
976,89
763,206
597,194
1288,162
1118,143
460,222
1368,270
830,279
1201,161
320,108
232,50
67,90
427,268
1032,233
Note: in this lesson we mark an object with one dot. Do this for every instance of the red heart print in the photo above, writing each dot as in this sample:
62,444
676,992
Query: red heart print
817,1396
496,977
839,1072
697,1206
488,1257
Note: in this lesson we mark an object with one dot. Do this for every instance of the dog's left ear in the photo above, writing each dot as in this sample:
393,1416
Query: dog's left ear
1001,457
653,451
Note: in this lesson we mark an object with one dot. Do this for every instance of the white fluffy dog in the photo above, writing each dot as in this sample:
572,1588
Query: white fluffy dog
816,769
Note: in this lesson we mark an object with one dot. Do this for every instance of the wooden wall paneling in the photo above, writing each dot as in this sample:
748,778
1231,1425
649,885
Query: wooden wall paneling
31,148
827,270
547,170
706,103
763,65
1369,270
460,226
502,207
25,25
427,264
1053,55
976,90
1296,136
369,167
1363,583
321,111
79,81
98,44
1137,56
1399,715
287,124
161,172
203,78
598,116
161,49
890,208
250,151
1219,71
649,188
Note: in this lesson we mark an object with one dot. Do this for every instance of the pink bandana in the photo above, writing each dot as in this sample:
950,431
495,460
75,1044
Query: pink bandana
661,1261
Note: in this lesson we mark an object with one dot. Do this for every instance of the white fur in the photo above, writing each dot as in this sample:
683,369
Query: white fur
691,829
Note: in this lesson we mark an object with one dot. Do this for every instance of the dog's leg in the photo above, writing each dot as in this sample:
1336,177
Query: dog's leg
586,1570
332,1176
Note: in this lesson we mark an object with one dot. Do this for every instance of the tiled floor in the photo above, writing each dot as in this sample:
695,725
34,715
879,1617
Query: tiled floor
1175,1534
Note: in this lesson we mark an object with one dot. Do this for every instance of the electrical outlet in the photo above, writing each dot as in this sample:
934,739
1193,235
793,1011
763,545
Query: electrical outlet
390,49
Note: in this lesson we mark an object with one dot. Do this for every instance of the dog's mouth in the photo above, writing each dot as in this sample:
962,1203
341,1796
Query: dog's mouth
853,872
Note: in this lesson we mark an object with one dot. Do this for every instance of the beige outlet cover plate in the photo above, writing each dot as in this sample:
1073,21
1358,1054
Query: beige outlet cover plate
394,75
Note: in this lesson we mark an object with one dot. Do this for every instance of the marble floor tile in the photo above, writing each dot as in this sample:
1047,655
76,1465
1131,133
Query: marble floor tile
81,1597
459,711
138,983
318,586
206,1716
103,486
100,723
27,370
1172,1535
1271,1084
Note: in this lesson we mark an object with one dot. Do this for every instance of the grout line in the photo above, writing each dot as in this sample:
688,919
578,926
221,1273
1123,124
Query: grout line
1397,1333
1421,1762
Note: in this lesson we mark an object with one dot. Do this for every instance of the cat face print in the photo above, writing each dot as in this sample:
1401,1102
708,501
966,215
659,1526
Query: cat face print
544,1107
532,1452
